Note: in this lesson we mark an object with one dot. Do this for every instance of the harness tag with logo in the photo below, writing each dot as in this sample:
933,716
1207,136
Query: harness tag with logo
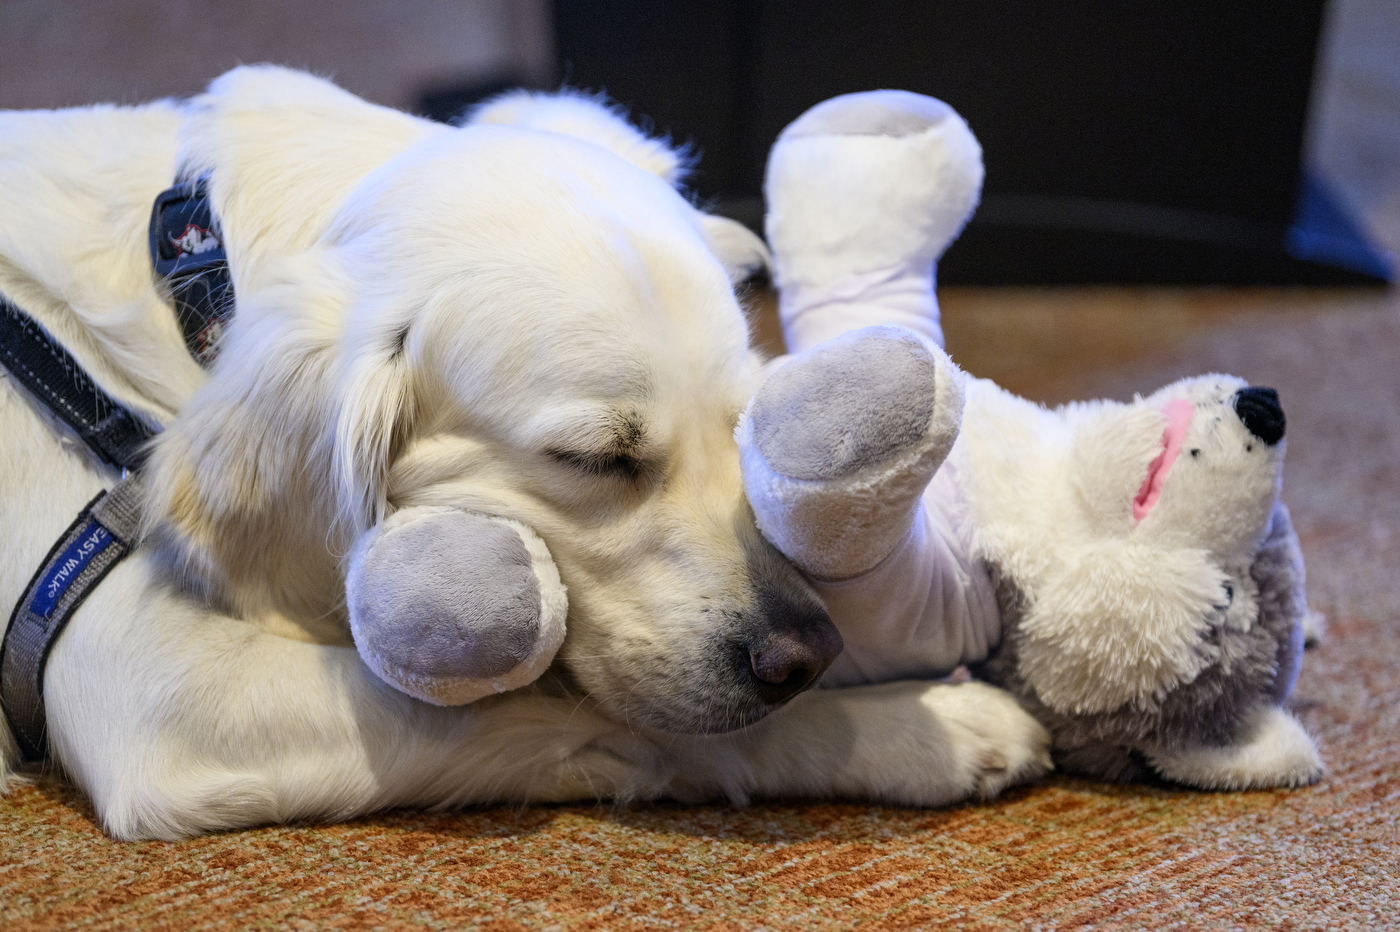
93,545
68,567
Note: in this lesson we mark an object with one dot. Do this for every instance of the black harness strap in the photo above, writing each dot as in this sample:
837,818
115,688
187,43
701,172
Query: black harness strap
54,377
104,532
188,254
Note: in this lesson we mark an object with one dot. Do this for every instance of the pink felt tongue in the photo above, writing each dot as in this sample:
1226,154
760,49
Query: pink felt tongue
1179,413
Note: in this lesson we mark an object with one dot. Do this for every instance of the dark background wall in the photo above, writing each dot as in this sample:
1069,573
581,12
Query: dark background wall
1151,142
1142,142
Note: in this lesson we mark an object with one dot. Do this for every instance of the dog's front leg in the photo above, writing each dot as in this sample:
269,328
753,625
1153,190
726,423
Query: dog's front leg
907,743
177,720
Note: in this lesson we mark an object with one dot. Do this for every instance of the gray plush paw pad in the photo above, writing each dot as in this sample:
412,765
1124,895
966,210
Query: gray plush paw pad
450,595
855,401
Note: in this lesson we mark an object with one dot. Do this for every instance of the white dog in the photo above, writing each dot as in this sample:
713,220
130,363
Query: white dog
426,315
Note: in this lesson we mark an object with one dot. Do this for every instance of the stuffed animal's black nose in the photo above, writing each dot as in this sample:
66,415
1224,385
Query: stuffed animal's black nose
1261,413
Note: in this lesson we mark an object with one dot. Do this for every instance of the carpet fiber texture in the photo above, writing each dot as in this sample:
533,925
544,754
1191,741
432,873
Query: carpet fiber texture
1062,854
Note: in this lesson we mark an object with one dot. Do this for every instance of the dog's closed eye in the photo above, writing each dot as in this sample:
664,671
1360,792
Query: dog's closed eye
616,446
602,463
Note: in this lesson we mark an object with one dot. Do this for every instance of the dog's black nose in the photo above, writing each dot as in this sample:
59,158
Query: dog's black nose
785,640
792,650
786,663
1261,413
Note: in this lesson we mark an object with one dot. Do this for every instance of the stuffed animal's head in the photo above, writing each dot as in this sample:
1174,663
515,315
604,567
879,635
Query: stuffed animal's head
1148,573
1197,465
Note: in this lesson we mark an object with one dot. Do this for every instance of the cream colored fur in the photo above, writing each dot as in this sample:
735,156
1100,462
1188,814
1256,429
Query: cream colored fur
427,316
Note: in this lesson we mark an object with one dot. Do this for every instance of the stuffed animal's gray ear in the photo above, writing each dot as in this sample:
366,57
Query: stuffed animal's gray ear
1283,602
742,253
573,113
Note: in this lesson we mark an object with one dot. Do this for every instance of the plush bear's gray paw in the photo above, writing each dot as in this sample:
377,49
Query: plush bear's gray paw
449,606
839,443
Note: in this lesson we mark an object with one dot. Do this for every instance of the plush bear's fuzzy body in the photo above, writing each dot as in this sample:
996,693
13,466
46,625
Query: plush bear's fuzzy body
1126,634
1215,710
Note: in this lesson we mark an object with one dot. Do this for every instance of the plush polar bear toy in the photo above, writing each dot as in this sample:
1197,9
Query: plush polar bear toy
1126,570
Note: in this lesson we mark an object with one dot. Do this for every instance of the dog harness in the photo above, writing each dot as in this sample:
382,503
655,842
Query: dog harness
189,258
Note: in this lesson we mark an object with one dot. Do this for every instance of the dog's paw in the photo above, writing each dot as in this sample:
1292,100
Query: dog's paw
995,743
839,443
1276,752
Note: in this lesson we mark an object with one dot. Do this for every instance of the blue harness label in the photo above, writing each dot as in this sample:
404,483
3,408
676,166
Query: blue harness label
93,539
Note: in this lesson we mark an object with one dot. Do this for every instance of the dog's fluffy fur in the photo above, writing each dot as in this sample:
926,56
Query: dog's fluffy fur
525,320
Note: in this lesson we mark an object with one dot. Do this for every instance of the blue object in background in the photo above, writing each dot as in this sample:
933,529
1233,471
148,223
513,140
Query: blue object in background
1324,231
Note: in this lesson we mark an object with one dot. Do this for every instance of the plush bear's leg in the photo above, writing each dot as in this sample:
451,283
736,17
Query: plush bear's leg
1274,751
449,606
865,192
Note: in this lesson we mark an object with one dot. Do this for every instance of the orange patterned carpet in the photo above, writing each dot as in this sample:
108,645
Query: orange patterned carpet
1064,854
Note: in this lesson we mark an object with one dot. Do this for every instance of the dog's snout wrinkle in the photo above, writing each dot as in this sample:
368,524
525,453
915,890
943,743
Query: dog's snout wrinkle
1259,409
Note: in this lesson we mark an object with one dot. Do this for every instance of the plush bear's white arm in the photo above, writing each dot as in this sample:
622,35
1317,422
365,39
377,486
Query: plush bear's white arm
927,608
811,316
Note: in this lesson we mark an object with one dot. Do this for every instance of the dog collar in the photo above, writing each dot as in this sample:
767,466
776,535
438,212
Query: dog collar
187,250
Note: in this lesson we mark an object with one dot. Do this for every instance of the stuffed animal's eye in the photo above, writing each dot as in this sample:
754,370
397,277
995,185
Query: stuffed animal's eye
1229,598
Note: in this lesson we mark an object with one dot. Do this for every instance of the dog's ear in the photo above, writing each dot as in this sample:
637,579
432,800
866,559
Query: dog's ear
376,406
301,391
591,118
